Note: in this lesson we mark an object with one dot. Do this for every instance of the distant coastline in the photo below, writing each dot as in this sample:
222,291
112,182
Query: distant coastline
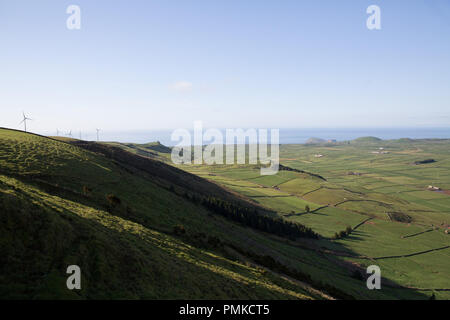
287,136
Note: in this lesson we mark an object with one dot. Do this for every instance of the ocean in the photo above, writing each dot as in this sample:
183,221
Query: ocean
287,136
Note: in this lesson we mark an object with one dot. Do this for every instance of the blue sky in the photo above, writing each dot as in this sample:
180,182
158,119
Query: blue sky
147,65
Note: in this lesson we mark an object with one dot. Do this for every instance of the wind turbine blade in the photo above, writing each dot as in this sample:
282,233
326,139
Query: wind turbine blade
21,121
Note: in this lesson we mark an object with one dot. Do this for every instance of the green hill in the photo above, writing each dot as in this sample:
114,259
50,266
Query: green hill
156,146
154,150
315,141
55,212
140,228
367,140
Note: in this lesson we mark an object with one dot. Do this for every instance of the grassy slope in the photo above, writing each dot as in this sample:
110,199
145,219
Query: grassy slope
47,223
389,183
81,229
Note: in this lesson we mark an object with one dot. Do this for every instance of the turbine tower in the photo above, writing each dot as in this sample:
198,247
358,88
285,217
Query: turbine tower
98,130
24,121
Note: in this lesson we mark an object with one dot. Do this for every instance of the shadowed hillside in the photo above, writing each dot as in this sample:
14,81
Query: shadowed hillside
56,212
139,228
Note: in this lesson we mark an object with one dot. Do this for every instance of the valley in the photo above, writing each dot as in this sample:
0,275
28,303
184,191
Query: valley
135,223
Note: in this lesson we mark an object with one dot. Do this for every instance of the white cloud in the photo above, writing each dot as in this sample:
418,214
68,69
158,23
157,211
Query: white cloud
182,86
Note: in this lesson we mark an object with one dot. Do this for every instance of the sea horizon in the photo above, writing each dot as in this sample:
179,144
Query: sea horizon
287,135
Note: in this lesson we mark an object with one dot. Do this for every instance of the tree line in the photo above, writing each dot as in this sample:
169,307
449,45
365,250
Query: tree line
252,218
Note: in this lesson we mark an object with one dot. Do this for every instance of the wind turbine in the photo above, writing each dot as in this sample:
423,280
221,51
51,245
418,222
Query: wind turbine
57,132
24,121
70,134
98,130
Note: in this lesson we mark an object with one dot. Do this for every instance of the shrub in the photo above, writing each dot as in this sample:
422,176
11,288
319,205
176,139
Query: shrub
400,217
343,233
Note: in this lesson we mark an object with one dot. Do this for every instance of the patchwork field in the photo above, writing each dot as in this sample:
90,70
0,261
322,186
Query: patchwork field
377,188
216,232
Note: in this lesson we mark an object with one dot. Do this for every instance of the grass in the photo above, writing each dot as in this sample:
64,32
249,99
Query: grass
328,221
157,265
47,224
388,183
54,196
